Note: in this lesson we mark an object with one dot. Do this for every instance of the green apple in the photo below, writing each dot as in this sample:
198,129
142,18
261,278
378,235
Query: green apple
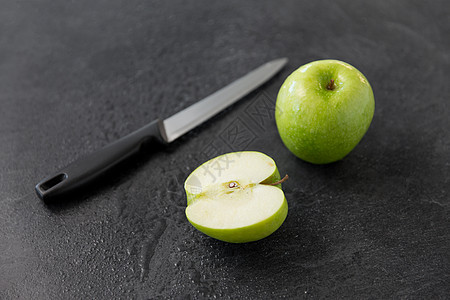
236,197
323,110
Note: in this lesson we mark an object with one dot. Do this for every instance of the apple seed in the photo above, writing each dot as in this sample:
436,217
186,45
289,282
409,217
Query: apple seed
232,185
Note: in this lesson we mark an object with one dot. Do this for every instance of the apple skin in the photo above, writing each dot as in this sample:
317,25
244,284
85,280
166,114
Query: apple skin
320,125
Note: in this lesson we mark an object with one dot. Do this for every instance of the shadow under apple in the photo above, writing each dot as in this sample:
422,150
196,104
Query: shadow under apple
285,258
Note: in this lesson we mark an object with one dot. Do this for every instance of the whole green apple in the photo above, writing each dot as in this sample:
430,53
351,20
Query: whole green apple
323,110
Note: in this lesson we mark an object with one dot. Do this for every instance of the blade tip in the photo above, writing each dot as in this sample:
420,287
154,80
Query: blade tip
285,59
281,61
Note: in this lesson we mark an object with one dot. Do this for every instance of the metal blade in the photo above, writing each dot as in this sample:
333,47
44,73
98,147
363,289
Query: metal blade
185,120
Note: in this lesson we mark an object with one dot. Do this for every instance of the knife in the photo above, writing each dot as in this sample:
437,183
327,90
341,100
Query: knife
89,167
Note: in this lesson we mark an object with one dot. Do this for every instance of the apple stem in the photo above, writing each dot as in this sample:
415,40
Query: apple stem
279,181
331,85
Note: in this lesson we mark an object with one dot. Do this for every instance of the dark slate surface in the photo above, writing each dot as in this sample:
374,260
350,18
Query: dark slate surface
75,76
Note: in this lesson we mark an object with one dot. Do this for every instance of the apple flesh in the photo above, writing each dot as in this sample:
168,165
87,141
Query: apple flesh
231,198
323,110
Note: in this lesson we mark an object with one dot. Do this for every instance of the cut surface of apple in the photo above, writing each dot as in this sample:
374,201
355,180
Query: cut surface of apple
230,197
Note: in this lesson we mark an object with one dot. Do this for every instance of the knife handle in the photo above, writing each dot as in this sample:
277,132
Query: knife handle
84,170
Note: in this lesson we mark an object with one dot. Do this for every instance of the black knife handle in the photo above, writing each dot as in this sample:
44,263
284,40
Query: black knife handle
89,167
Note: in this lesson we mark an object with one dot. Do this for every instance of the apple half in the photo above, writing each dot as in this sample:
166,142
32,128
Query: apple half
236,197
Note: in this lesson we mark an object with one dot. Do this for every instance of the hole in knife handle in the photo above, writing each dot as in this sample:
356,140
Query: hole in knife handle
52,182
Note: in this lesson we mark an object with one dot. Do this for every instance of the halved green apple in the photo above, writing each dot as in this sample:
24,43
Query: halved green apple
236,197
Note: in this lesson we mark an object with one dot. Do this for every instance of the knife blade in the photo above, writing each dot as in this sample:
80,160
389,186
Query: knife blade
87,168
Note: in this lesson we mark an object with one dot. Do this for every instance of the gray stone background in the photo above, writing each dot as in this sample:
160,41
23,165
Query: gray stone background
76,75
